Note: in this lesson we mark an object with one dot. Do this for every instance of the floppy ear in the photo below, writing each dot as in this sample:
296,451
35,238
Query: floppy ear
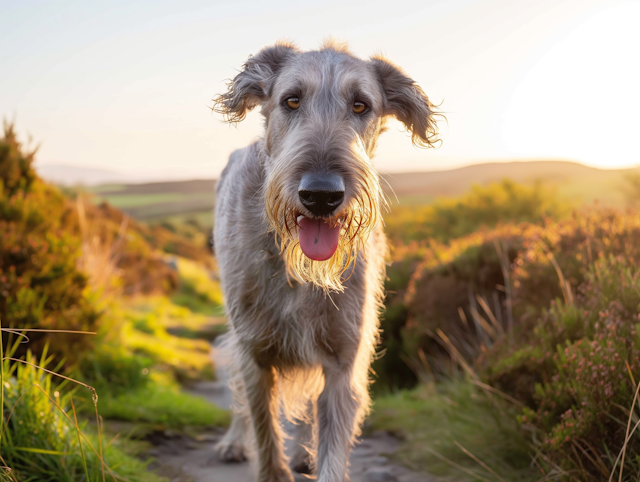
407,102
251,86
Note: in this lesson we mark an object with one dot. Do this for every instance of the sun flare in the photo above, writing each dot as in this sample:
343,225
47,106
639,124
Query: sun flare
580,100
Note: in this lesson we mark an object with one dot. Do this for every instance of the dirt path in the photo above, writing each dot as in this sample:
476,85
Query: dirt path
184,459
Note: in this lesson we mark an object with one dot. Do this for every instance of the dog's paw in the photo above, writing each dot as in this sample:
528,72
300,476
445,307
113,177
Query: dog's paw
301,467
300,461
231,451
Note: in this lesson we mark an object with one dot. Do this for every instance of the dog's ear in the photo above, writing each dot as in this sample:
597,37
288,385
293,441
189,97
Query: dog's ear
251,86
407,102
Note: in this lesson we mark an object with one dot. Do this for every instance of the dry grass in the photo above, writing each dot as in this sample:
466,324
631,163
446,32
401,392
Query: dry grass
99,255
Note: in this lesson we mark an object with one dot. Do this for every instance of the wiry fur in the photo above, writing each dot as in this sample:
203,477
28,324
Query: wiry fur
302,333
356,222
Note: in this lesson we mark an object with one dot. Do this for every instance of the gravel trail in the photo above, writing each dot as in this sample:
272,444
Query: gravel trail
185,459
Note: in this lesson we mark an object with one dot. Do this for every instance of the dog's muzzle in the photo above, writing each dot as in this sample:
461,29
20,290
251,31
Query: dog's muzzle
321,194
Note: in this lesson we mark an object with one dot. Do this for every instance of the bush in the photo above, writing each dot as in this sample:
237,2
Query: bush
482,208
58,256
571,352
581,366
566,250
460,287
444,255
40,286
435,288
141,265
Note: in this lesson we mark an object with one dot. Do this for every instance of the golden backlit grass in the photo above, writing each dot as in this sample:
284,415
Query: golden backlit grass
41,436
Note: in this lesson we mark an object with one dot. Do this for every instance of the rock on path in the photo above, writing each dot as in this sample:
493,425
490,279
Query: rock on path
184,459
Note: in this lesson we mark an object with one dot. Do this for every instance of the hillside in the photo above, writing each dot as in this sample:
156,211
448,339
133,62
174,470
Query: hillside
573,181
183,200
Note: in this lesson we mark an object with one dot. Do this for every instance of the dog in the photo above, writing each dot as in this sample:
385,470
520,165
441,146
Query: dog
301,251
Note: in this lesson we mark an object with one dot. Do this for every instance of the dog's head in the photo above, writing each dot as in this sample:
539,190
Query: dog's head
324,111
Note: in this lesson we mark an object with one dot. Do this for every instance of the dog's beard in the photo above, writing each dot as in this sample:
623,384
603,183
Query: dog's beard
356,223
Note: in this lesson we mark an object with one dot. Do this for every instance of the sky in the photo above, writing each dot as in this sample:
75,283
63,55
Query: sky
127,85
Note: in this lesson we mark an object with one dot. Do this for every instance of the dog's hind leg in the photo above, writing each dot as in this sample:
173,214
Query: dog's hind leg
234,444
262,397
232,447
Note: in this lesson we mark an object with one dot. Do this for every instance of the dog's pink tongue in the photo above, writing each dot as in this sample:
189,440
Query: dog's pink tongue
318,240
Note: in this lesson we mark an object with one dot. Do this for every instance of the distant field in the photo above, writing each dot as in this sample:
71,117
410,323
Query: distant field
161,201
182,200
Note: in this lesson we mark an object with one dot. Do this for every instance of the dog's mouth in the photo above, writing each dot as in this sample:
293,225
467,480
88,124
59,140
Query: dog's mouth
318,237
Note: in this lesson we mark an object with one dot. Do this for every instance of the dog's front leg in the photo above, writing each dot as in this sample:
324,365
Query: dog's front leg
337,407
260,386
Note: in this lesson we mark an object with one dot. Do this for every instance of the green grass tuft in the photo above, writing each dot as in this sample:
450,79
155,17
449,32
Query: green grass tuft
162,404
434,419
41,439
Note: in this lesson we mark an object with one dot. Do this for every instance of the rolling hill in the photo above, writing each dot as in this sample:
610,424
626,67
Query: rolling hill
182,200
575,182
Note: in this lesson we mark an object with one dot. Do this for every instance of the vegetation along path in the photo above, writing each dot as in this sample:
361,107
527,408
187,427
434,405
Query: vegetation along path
196,460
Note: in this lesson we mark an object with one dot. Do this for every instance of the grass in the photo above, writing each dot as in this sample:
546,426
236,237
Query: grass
41,437
198,291
454,430
170,335
203,218
189,359
162,404
156,344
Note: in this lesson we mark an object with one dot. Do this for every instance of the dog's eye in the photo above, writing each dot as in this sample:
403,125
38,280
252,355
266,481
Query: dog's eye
359,107
293,102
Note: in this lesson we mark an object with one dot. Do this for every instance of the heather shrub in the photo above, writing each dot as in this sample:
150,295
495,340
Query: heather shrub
460,287
558,257
188,239
444,257
581,366
484,207
16,170
40,285
447,288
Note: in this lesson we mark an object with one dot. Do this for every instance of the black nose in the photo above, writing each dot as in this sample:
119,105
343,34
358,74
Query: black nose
321,193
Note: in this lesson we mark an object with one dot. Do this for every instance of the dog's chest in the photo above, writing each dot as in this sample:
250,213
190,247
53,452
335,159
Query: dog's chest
287,323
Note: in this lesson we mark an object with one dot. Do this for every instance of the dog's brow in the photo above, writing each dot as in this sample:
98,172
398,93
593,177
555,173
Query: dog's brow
357,89
295,89
299,85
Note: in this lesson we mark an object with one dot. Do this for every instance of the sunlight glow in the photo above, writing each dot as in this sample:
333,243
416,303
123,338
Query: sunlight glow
581,99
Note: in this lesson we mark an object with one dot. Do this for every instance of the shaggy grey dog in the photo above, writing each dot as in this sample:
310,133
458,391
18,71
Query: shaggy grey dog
301,251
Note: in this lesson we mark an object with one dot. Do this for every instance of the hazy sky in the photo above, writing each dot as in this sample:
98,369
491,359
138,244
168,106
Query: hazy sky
127,85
